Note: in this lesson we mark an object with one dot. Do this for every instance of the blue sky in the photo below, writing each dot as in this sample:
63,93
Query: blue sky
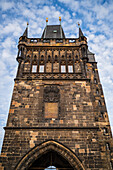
95,17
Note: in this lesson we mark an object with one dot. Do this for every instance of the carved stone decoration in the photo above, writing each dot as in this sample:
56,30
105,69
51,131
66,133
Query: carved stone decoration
51,94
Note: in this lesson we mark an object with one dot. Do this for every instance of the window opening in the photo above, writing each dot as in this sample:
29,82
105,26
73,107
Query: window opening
107,146
63,68
42,57
49,57
93,70
99,102
41,68
20,53
95,80
97,91
70,69
69,57
34,68
105,130
55,57
76,57
102,114
54,31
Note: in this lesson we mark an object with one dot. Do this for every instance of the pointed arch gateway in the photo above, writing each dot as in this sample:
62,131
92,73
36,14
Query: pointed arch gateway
50,153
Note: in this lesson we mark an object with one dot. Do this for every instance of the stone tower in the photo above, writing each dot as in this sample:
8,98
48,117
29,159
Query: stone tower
58,115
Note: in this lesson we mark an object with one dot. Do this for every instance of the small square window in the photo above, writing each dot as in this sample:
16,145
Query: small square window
63,68
34,68
70,69
41,68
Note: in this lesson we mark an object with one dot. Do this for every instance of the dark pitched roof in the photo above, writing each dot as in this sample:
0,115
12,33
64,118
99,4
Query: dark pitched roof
53,31
90,56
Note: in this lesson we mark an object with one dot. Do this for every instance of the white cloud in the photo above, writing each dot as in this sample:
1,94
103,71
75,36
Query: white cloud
5,5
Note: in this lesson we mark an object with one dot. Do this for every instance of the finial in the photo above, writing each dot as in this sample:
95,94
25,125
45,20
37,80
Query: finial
27,24
60,20
78,24
46,21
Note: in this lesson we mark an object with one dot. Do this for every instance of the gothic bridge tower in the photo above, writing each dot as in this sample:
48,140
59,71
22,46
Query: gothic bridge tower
57,115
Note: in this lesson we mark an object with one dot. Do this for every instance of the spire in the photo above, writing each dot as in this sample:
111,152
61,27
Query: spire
25,34
80,33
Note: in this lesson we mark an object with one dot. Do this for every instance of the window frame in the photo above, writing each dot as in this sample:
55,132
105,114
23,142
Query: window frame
70,70
34,70
63,68
41,71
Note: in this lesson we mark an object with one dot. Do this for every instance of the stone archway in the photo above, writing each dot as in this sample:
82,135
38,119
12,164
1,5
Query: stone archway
49,147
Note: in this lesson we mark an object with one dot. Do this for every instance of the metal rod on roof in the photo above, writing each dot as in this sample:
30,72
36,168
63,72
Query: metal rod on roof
46,21
60,20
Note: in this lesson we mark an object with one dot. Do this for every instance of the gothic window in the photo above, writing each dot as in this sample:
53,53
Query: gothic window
69,57
34,68
42,57
76,57
35,57
63,69
56,57
27,66
49,57
41,68
51,101
70,68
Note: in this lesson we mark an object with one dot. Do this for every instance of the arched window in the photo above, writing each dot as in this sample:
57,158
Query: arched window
49,57
76,57
69,57
42,57
56,57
